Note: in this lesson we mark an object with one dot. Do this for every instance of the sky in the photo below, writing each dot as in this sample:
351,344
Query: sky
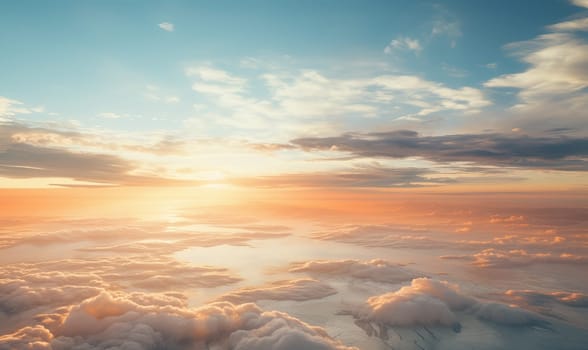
185,92
293,174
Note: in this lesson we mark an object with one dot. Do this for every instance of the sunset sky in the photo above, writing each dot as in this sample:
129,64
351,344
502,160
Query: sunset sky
297,94
410,145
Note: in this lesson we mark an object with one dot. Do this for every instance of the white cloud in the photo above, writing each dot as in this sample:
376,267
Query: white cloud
10,108
377,270
579,24
446,27
427,302
299,290
213,75
294,101
168,27
145,321
403,43
492,257
154,93
558,66
580,3
110,115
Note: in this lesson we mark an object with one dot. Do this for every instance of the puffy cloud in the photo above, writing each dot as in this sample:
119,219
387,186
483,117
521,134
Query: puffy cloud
426,302
492,257
50,284
45,290
298,290
377,270
27,338
118,320
546,152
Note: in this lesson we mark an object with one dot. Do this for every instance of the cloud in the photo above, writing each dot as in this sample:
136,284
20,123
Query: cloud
557,62
358,176
49,289
376,270
403,43
135,271
132,237
537,298
492,257
580,3
210,75
508,315
110,115
24,155
120,320
168,27
543,152
10,108
154,93
579,24
313,97
298,290
391,236
427,302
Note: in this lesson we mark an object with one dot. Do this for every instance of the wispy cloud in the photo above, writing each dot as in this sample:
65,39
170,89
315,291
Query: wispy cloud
309,96
30,153
10,108
403,44
110,115
556,62
547,152
359,176
167,26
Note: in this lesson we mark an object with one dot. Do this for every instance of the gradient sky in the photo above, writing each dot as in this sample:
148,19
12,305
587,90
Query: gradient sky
290,93
293,174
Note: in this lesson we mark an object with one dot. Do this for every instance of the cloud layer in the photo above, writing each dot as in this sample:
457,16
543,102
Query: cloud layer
119,320
298,290
544,152
376,270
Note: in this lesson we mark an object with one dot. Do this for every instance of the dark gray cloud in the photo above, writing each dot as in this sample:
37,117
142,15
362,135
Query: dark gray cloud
521,151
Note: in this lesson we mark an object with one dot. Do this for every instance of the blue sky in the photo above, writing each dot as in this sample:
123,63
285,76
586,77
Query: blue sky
81,58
